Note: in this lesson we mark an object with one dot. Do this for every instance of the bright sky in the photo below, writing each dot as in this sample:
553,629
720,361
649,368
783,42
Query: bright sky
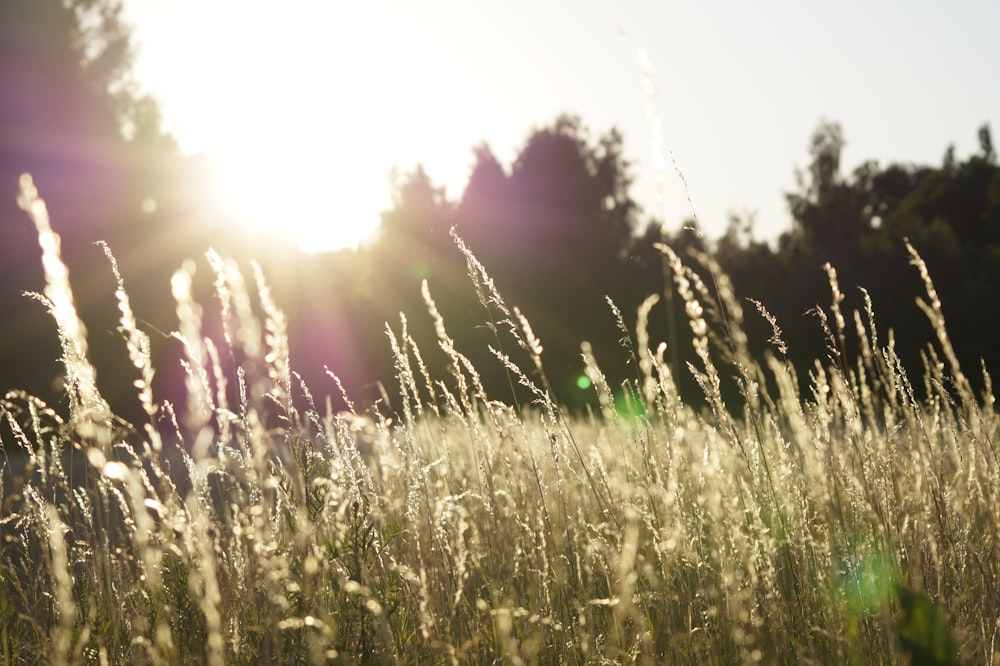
306,109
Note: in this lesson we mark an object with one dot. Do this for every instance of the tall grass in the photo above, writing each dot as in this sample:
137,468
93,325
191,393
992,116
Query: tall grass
841,521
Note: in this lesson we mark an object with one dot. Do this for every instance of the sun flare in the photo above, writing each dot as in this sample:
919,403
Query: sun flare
304,134
288,186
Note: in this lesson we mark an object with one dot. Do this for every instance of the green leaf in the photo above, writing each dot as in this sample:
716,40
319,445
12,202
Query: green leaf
923,630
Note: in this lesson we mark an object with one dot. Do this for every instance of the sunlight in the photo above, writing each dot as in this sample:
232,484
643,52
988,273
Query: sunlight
302,190
291,149
304,130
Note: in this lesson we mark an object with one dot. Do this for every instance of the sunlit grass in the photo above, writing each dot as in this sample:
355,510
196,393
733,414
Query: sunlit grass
842,521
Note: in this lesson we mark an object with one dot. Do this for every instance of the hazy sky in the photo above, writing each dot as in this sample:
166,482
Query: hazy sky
308,108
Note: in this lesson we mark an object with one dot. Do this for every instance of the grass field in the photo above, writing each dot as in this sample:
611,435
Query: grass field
843,521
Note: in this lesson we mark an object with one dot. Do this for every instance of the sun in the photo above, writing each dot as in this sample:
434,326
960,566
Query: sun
280,181
305,113
288,132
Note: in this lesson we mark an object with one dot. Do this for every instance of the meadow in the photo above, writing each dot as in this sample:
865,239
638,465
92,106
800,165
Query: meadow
850,519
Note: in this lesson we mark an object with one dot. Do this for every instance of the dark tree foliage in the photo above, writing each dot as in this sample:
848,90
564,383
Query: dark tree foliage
564,209
556,229
71,117
62,97
859,223
554,232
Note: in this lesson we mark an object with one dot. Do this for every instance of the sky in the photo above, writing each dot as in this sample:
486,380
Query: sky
306,111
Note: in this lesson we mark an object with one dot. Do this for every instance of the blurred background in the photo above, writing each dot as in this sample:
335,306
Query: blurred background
338,144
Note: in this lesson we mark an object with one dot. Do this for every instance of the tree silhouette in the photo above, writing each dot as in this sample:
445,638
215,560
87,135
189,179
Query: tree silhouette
556,229
64,92
564,210
554,232
986,144
858,223
71,116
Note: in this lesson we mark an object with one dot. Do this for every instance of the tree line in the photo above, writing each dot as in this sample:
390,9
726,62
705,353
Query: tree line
563,239
557,230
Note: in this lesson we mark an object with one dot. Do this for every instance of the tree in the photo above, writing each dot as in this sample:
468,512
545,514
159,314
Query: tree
71,116
413,239
986,144
825,147
563,213
481,212
68,96
554,232
835,217
858,223
61,93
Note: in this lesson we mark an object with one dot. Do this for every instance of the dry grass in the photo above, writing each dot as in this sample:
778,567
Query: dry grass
804,531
